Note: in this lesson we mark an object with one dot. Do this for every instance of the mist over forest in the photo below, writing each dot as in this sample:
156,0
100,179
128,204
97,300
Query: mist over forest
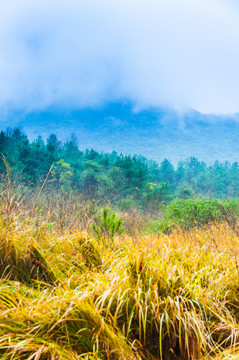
155,133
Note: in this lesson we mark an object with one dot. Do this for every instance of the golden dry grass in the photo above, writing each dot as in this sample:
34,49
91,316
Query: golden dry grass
151,297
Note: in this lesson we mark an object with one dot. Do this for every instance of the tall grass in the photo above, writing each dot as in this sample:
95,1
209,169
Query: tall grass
158,297
67,295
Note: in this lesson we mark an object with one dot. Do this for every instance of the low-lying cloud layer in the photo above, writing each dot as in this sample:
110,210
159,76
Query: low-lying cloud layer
79,53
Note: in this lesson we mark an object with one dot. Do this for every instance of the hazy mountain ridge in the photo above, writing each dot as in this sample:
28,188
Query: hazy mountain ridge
156,134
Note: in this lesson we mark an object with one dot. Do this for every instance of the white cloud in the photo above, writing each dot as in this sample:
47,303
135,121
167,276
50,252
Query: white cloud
77,53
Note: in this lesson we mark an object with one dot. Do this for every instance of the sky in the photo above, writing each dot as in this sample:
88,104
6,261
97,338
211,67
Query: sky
76,54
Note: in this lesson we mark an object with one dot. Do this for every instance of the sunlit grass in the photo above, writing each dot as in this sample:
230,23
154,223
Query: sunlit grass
68,296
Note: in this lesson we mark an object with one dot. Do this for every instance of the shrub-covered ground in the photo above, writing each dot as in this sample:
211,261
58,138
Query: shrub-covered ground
68,295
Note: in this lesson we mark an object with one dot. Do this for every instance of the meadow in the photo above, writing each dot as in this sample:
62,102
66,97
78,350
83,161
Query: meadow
73,288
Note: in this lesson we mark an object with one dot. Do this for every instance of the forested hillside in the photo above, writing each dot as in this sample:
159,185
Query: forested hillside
125,180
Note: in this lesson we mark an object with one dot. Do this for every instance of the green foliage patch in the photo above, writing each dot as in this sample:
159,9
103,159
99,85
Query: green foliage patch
106,225
191,213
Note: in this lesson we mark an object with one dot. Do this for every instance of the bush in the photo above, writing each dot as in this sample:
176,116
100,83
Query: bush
192,213
106,225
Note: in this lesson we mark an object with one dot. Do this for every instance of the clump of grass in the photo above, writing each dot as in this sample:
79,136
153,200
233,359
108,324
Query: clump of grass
58,327
23,261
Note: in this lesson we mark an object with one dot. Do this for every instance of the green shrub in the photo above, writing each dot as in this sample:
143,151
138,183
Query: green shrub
190,213
106,225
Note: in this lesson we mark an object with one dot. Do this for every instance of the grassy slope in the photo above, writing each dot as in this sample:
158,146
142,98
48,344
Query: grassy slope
69,297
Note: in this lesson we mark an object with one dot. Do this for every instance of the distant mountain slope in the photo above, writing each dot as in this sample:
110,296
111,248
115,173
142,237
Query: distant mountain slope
155,134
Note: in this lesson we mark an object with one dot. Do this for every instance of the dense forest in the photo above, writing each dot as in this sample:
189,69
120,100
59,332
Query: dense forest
125,180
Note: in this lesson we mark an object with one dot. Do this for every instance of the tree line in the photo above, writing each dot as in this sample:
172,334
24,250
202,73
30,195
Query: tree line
128,180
